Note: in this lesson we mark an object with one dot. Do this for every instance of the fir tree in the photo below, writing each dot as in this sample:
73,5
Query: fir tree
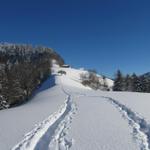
136,83
118,82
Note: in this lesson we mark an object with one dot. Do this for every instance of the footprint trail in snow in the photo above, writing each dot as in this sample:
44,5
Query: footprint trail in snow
141,129
52,132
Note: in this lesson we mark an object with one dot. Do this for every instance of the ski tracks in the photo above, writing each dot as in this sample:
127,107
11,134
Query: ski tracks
52,132
141,129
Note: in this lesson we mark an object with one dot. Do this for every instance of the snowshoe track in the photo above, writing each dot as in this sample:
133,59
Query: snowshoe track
141,129
52,132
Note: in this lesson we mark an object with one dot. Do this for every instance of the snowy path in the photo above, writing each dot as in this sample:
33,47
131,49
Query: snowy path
140,126
98,125
51,133
141,129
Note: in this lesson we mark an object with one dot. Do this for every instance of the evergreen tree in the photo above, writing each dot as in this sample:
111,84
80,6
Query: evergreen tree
136,83
145,81
127,84
118,82
22,69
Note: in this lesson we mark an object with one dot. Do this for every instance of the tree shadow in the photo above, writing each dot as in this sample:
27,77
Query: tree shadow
48,83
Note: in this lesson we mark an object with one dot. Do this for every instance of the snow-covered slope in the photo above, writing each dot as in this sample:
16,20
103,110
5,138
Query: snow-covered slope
73,77
16,122
64,115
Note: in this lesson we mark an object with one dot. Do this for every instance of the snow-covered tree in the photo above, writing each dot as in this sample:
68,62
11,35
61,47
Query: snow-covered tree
22,69
118,82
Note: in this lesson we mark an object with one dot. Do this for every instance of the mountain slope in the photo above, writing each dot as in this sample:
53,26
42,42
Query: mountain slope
73,77
64,115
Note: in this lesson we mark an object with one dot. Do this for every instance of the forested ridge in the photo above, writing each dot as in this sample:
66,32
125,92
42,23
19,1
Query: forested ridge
22,69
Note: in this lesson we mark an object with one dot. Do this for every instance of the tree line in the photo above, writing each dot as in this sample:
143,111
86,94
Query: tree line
132,82
22,69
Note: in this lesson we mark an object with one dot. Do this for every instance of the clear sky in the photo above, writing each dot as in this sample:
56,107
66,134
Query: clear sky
101,34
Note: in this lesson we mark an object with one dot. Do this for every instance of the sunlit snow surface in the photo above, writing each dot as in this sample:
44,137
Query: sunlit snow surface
64,115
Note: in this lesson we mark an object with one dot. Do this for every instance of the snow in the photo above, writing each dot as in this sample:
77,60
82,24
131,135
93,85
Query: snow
63,114
95,128
18,121
139,102
110,82
73,76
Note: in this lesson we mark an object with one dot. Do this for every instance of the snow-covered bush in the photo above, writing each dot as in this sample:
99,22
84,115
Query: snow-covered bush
90,79
94,81
3,103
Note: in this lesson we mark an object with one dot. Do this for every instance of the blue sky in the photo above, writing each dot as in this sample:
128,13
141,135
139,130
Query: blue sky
103,34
